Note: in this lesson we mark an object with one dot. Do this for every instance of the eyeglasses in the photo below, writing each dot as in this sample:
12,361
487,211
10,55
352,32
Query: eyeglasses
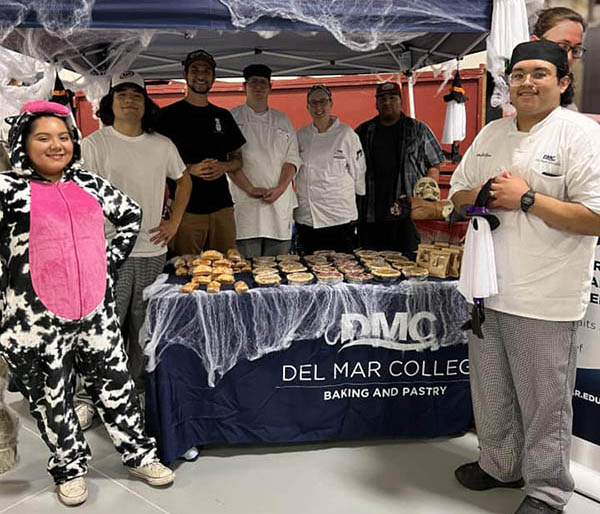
317,103
576,51
516,78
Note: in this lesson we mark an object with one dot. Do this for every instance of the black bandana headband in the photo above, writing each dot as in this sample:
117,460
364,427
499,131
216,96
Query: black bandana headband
542,50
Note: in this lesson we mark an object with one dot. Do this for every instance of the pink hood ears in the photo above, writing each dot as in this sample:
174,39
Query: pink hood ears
44,106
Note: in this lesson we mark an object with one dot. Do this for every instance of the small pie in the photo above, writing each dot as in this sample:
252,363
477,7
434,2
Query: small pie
267,279
300,278
292,267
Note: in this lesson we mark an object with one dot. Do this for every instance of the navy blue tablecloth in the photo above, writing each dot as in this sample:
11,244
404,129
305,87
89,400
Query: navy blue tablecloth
394,364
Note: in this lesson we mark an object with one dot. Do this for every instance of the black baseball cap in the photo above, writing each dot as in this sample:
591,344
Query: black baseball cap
199,55
257,70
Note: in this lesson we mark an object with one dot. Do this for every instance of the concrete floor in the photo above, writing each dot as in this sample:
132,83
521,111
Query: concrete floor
374,477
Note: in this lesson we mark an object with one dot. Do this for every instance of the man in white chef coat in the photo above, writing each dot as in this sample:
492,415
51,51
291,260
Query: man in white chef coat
546,195
262,191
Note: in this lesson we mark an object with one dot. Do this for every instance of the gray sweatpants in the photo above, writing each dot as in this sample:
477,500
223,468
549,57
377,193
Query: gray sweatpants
522,381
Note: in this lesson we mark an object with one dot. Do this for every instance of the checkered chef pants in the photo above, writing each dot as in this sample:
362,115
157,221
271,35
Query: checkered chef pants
522,381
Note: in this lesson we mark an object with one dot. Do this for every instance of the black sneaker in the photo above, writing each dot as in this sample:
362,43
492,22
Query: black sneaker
473,477
531,505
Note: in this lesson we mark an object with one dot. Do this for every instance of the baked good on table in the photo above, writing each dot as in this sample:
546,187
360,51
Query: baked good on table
233,255
213,287
288,257
225,278
211,255
179,262
385,274
202,269
292,267
330,277
416,272
223,262
267,279
181,271
259,271
300,278
357,277
219,270
188,288
369,254
202,280
240,287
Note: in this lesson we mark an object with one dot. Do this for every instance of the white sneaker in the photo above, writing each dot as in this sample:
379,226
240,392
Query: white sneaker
85,415
73,492
154,473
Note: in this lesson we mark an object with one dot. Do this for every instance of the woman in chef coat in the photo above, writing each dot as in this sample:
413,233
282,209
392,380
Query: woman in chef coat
332,174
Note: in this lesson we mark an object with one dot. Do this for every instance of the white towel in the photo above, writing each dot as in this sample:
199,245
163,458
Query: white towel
478,269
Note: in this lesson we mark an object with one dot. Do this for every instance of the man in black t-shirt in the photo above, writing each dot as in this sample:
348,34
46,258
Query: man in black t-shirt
399,151
209,141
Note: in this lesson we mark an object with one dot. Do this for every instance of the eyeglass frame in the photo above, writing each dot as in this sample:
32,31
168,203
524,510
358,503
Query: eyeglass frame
318,87
568,48
529,74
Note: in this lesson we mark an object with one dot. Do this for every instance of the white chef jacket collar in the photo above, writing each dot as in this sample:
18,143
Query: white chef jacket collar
336,122
539,125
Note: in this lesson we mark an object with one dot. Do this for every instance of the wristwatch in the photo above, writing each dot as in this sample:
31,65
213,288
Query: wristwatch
527,200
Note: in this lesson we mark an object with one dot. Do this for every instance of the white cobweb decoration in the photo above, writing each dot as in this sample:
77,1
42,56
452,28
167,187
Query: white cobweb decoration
63,41
510,26
359,25
224,328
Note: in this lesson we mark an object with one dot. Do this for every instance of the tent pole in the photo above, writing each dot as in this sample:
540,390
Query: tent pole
411,96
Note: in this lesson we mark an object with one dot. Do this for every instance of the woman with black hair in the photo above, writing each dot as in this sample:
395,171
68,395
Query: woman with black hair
57,308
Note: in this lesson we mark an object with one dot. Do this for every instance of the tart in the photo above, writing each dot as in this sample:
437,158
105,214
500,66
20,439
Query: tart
267,279
386,274
358,277
292,267
300,278
330,277
288,257
416,273
366,254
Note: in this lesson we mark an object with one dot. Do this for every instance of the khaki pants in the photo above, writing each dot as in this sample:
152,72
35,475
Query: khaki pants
198,232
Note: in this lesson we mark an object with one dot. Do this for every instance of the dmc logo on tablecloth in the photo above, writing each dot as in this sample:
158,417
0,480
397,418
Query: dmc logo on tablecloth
415,333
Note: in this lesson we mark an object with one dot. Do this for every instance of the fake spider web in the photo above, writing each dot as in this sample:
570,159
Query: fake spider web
224,328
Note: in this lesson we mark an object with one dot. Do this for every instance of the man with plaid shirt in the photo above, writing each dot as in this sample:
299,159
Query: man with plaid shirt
399,151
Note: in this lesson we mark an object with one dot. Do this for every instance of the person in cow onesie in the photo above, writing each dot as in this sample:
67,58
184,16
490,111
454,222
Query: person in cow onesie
57,307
